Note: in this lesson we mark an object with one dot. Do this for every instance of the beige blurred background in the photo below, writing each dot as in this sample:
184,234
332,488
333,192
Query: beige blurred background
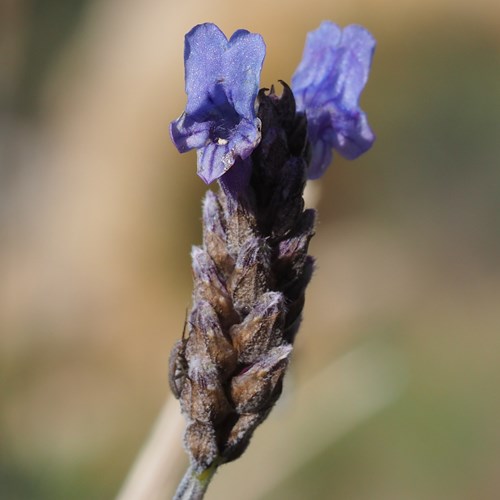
393,392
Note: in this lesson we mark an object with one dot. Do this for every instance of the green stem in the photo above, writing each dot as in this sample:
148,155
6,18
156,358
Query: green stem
194,486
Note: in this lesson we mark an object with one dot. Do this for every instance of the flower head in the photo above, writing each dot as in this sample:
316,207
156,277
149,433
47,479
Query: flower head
222,81
327,85
251,272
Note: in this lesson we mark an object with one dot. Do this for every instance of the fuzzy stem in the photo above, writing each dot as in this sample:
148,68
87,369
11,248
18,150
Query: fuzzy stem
194,486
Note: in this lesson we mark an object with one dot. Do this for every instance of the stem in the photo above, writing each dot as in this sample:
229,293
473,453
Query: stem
194,486
155,471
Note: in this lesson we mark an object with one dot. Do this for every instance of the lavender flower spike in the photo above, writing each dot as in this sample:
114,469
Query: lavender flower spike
251,271
222,81
327,85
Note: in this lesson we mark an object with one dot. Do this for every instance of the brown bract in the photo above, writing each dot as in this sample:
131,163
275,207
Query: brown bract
249,276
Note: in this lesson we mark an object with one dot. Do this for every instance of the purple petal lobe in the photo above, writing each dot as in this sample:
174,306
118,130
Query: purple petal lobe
222,81
327,85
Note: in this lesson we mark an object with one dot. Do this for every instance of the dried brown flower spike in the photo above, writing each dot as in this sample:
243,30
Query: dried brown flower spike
251,272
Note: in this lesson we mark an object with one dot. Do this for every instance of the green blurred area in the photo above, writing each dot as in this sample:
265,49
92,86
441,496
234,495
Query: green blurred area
48,26
94,296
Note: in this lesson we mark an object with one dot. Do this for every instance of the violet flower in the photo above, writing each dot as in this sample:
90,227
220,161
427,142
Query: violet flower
222,81
327,85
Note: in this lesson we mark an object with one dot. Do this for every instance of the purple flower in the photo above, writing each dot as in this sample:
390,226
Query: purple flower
222,81
327,85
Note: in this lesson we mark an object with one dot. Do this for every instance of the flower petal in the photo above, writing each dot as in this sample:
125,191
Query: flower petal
216,158
222,81
327,85
188,134
245,54
320,159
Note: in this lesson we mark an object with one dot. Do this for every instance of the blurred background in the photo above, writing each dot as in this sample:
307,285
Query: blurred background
393,389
